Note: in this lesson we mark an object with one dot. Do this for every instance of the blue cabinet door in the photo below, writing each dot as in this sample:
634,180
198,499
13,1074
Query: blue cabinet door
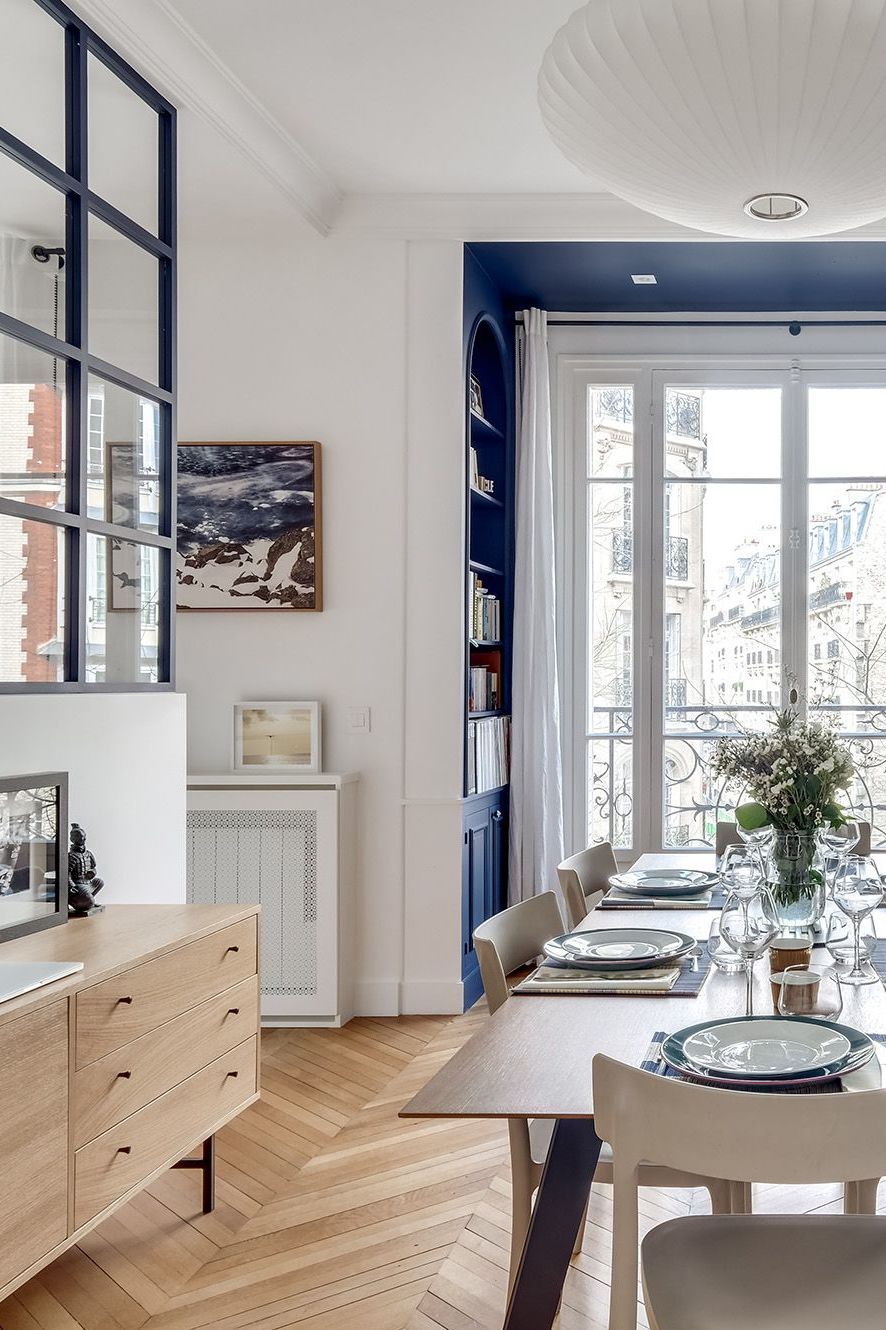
484,870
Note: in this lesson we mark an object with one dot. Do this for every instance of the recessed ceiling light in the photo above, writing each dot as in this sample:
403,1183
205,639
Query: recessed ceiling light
644,279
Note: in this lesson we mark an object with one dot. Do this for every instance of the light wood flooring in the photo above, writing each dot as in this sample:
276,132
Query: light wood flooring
332,1213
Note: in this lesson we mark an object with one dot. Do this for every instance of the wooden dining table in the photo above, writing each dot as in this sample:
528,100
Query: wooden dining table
533,1059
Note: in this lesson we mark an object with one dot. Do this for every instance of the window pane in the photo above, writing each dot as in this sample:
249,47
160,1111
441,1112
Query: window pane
32,580
123,146
847,431
32,214
694,799
32,425
123,302
731,433
123,456
32,77
122,611
610,791
611,431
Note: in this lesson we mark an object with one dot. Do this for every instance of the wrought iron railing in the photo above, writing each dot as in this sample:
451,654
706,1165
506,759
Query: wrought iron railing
683,414
833,594
676,555
760,618
614,404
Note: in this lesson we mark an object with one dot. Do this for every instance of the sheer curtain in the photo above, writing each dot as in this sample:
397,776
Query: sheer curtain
536,838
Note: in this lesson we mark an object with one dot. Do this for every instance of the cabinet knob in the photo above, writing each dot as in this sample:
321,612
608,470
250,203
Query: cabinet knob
497,815
123,1075
233,1011
124,1149
124,999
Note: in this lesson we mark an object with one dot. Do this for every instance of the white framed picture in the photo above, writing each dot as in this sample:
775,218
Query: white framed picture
280,736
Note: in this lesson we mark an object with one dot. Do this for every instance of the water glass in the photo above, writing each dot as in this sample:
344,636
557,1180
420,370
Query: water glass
808,991
858,890
740,871
837,843
748,926
841,946
723,956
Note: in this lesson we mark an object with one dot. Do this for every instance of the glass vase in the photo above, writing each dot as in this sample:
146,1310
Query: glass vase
795,873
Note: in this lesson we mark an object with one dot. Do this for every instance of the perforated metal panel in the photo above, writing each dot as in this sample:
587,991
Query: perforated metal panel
268,857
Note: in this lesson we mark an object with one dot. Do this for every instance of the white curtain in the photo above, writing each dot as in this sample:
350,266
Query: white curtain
536,838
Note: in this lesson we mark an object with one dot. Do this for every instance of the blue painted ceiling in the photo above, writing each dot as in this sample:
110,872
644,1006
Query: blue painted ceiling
740,277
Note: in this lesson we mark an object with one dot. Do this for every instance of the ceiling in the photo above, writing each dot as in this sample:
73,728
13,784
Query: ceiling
738,276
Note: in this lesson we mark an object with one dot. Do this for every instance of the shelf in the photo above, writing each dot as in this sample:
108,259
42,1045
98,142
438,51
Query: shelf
476,567
484,427
478,644
484,715
484,499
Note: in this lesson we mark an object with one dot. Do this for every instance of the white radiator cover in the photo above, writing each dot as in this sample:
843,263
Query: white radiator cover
287,846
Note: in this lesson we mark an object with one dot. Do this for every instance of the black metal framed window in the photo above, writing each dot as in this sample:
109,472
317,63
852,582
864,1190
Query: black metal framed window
87,362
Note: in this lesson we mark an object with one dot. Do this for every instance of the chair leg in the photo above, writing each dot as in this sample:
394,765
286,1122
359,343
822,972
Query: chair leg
741,1200
721,1197
860,1198
579,1237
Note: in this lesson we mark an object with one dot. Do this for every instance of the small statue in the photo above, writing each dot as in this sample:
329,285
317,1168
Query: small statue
83,885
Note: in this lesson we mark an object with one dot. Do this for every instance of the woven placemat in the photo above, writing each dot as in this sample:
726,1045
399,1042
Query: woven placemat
694,970
716,901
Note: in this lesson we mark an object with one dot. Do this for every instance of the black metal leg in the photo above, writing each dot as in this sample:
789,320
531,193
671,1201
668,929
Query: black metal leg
556,1215
206,1163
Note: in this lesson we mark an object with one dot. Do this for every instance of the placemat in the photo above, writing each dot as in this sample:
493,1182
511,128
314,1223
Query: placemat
653,1062
618,900
691,974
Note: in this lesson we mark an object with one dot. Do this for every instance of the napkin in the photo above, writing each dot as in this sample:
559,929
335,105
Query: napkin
547,979
615,897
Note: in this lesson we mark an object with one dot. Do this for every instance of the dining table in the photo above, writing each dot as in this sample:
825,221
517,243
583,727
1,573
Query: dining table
533,1059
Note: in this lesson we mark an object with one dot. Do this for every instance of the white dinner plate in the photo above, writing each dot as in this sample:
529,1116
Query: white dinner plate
766,1047
619,948
664,881
857,1050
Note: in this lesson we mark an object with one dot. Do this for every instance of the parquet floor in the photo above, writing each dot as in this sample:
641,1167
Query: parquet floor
332,1213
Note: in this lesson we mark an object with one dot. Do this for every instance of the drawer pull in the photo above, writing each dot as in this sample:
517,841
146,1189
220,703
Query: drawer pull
125,1075
233,1011
124,1149
232,1073
124,999
231,949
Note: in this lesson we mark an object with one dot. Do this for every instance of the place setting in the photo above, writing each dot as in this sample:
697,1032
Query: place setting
620,961
663,888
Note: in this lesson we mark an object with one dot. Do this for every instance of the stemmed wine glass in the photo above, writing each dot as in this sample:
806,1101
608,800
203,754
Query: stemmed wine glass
749,926
740,872
838,842
858,890
757,841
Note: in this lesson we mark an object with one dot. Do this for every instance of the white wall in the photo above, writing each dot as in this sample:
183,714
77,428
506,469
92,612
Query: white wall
125,755
295,337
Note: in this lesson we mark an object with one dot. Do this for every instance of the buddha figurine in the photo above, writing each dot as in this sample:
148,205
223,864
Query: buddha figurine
83,885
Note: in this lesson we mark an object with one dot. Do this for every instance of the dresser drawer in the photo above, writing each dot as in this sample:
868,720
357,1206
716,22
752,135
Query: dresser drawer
124,1008
165,1129
120,1083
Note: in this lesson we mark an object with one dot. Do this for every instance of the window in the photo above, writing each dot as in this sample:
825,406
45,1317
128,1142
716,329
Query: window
692,534
86,362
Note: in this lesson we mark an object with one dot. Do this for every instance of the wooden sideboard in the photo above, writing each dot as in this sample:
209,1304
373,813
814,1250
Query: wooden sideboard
109,1077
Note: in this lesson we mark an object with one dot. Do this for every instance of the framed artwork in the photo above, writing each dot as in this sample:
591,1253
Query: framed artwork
249,530
282,736
33,853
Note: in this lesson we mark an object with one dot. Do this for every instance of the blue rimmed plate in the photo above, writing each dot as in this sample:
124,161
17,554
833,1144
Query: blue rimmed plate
767,1050
664,881
619,948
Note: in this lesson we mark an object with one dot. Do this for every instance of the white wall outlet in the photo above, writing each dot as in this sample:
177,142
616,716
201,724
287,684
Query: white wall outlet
359,720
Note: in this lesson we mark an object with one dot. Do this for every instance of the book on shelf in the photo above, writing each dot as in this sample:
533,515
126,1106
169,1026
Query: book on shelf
484,612
489,744
475,470
484,692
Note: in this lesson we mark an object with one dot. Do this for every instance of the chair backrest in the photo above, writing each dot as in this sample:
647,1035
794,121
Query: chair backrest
584,877
730,1134
512,938
864,839
727,834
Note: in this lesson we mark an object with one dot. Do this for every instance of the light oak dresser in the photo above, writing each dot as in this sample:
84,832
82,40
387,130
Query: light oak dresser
113,1075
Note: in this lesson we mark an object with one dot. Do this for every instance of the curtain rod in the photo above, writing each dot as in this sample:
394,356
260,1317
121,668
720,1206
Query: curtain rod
794,326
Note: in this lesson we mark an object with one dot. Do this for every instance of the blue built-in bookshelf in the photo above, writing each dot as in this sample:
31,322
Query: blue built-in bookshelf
489,526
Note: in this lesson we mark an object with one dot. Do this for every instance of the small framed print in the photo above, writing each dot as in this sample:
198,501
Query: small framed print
277,736
476,397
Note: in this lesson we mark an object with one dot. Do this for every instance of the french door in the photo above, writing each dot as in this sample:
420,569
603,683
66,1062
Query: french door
726,553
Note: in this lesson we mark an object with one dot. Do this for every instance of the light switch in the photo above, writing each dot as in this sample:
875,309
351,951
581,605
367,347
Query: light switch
359,720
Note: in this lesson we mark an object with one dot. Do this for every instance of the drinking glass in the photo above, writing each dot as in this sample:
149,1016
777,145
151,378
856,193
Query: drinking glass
757,841
740,871
809,991
749,926
837,843
840,946
857,891
721,953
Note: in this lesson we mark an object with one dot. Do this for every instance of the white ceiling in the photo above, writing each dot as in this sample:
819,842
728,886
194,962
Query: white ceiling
401,96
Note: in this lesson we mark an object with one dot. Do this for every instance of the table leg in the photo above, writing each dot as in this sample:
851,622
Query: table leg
558,1210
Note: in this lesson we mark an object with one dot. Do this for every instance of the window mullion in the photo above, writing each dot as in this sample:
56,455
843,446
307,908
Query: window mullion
649,721
795,541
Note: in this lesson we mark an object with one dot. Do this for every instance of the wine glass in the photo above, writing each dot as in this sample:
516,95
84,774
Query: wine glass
857,891
721,953
757,841
809,991
740,871
840,947
837,842
749,926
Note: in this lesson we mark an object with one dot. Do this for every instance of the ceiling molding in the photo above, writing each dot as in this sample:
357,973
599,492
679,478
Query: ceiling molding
476,217
155,37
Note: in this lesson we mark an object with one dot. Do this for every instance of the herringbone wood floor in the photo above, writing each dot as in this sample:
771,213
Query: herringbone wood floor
332,1213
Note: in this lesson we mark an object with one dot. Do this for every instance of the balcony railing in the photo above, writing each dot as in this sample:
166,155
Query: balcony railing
833,594
760,618
676,555
675,692
683,413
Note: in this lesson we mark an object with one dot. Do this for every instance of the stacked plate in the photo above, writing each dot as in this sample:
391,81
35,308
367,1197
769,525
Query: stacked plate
767,1051
619,948
664,882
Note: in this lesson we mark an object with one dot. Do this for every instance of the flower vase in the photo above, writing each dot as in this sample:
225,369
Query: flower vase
795,874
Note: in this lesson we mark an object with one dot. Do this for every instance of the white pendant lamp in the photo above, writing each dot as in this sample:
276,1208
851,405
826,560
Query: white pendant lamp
752,118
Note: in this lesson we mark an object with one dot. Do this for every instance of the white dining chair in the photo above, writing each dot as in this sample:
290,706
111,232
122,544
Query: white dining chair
505,943
793,1272
584,879
864,838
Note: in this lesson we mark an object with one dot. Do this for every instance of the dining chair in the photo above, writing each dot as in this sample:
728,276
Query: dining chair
584,879
796,1272
727,834
503,944
864,838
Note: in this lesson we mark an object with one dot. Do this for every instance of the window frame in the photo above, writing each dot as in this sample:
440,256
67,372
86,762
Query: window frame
574,374
73,350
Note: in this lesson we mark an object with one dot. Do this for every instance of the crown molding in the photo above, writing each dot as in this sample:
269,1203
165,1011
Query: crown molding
550,217
155,37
